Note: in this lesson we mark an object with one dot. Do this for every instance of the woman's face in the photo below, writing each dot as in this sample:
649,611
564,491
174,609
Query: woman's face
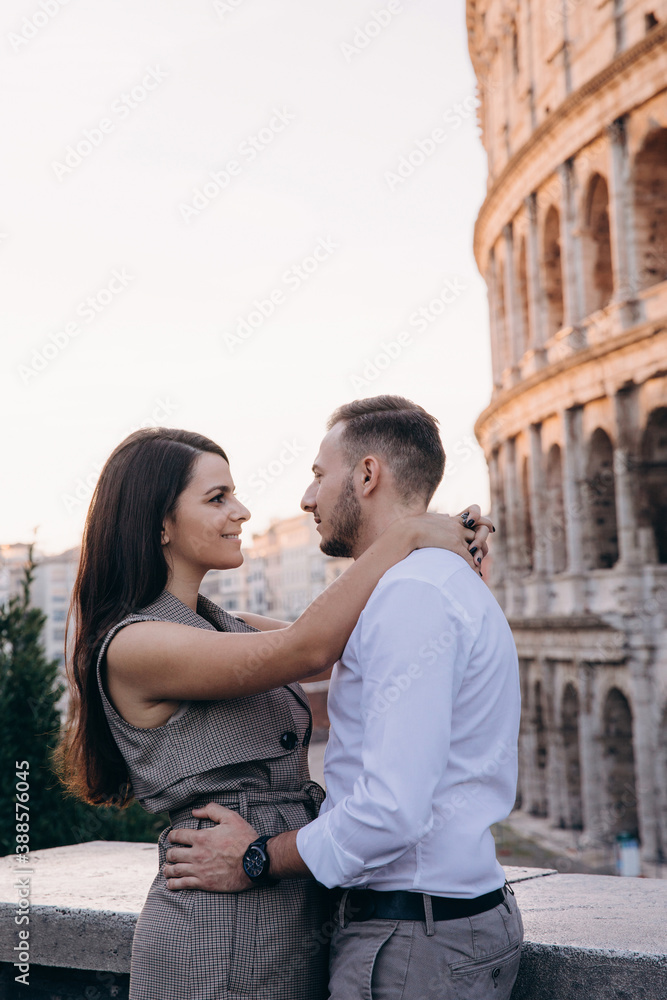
205,530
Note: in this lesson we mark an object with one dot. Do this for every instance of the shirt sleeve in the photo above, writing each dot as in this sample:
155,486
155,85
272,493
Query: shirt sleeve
414,645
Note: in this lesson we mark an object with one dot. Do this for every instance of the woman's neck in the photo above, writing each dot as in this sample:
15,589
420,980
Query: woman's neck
185,586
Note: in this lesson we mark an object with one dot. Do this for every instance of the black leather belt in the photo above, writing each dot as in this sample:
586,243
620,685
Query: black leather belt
367,904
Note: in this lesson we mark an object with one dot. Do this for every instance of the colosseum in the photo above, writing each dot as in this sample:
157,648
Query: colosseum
571,240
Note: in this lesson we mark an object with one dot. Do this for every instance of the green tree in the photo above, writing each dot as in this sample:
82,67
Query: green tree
29,730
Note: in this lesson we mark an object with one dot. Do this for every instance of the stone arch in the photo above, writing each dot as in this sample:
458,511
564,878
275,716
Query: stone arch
553,271
539,803
662,782
650,204
570,734
596,246
522,293
555,510
653,480
618,762
528,539
502,324
601,536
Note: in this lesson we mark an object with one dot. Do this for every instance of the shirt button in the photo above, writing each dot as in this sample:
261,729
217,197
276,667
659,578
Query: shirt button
289,740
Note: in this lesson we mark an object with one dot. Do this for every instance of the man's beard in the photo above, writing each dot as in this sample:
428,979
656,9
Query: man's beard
345,523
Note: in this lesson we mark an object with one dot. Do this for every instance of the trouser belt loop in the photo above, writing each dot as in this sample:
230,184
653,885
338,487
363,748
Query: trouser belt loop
428,914
342,915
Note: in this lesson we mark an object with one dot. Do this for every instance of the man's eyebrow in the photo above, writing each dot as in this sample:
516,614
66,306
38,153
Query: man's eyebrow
222,489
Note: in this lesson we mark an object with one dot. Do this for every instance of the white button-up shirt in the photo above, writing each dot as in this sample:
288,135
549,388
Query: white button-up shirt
422,756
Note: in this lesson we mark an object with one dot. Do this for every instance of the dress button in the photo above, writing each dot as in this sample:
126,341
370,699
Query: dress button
289,740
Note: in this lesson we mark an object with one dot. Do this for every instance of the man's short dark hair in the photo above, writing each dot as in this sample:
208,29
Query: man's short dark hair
401,432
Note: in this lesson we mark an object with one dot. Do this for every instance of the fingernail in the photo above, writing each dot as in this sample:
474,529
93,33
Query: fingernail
473,550
479,560
470,523
466,515
493,529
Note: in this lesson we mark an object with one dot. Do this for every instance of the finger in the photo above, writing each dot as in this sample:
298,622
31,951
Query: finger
184,883
468,536
177,871
470,515
182,836
465,552
481,535
212,811
175,854
486,521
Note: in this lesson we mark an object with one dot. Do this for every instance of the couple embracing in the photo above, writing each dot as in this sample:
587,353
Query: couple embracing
389,886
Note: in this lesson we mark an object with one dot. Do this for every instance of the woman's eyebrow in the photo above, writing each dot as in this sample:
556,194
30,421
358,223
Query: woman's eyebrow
222,489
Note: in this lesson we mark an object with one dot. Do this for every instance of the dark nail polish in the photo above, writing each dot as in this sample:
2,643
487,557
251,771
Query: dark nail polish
473,550
464,517
470,523
479,560
493,529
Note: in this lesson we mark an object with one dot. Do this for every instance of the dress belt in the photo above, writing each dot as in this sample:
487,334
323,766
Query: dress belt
367,904
242,799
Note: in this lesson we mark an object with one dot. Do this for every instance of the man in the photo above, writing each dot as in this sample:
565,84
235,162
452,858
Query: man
422,754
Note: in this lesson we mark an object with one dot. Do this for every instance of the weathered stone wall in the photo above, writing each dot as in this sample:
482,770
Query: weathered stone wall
586,937
572,241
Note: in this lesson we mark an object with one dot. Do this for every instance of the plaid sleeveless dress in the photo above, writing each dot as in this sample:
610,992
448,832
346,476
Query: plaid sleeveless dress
249,754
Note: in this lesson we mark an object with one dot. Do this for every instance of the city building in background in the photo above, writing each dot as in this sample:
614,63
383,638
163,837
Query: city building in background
572,242
51,590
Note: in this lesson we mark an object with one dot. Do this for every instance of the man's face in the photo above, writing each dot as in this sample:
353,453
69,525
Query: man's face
332,498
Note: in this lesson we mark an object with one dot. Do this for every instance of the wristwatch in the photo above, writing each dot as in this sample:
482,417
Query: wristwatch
256,863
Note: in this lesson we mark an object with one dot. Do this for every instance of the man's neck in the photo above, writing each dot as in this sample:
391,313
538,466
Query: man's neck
378,522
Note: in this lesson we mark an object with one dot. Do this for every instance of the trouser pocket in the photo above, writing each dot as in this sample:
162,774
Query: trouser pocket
492,976
354,950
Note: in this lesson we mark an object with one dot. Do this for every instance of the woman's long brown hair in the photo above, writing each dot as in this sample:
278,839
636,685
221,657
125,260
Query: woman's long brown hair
122,569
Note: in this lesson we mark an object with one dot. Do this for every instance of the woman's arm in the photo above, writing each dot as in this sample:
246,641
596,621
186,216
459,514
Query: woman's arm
158,661
261,622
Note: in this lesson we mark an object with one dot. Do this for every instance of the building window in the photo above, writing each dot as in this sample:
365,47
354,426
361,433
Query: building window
650,191
553,274
555,526
596,245
653,480
601,540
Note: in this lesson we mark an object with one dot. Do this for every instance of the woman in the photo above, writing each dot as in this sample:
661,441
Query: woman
177,703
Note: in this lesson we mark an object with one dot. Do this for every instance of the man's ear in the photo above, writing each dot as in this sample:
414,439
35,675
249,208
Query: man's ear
370,475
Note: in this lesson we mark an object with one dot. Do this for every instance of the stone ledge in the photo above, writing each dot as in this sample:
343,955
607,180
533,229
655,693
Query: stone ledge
588,937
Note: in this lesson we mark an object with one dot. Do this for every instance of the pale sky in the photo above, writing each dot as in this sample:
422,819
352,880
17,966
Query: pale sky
119,111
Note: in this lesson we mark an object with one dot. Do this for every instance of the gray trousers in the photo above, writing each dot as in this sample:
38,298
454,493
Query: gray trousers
472,958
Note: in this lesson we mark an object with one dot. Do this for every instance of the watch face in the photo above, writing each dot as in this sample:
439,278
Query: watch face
254,862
